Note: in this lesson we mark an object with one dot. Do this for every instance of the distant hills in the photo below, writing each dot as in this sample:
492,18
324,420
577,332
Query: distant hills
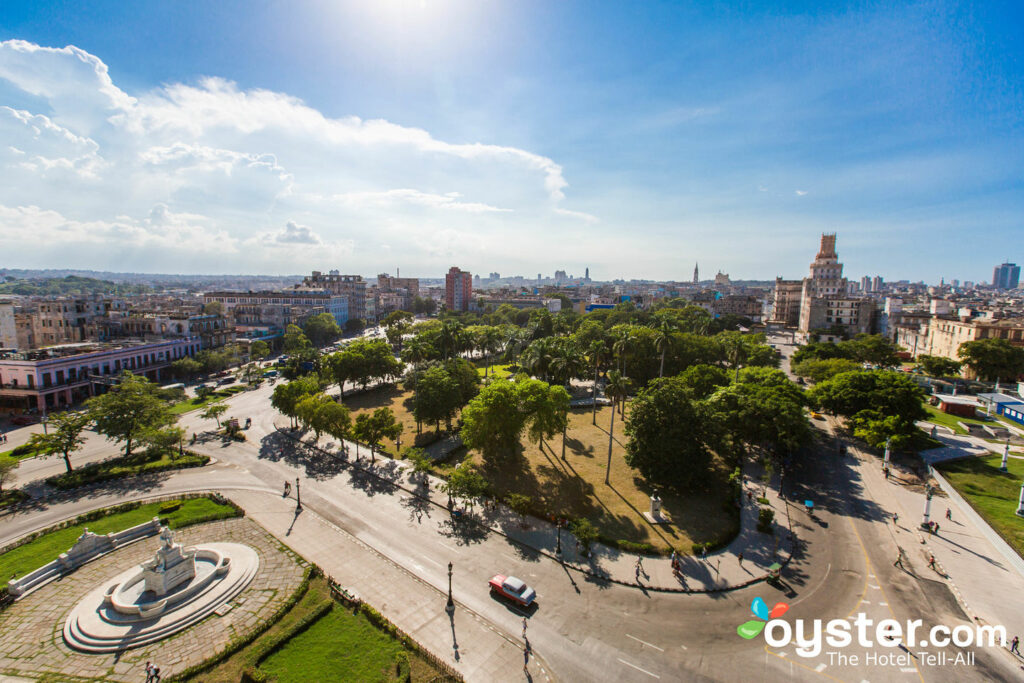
30,282
70,284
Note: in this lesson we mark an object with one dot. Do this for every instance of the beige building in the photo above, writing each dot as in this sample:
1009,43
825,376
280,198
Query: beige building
8,328
786,302
352,287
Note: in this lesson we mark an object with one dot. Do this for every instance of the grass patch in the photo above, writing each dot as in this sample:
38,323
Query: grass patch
119,468
400,403
938,417
992,493
46,547
340,646
190,404
575,488
19,452
500,371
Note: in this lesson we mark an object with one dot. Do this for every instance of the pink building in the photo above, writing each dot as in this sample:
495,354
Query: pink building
61,376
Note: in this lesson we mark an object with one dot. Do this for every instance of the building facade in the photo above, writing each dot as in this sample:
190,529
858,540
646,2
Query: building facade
458,289
1006,276
62,376
352,287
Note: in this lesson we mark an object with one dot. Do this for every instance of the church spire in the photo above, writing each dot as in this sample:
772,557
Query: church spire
696,274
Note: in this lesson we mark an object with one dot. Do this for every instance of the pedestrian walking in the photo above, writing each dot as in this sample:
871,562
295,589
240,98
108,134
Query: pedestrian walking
895,518
949,514
931,561
149,672
740,558
524,628
637,573
526,659
1013,645
704,553
935,529
156,674
899,560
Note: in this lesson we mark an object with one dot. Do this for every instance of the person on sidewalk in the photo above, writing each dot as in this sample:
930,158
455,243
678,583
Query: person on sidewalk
740,558
1013,645
704,553
931,561
149,671
524,628
949,515
935,529
899,560
526,659
895,518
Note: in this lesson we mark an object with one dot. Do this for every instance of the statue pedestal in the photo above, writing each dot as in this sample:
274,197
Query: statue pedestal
654,515
170,567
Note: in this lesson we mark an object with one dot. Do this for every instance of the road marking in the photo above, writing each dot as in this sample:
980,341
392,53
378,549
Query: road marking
884,604
432,561
684,647
875,587
865,602
445,545
638,668
821,667
644,642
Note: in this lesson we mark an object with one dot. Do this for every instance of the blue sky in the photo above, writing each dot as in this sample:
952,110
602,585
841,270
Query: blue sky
521,137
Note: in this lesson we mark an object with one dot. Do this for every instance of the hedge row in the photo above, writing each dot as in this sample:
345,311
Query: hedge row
99,472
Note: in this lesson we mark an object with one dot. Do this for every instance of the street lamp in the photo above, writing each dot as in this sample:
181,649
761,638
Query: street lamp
1020,502
928,493
450,607
558,546
298,495
1006,454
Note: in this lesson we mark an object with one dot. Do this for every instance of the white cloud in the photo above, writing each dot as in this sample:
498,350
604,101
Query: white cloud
585,217
800,193
294,233
216,177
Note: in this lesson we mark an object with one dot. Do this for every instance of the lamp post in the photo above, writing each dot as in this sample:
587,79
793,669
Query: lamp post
887,444
450,607
928,493
558,545
1006,455
1020,502
298,495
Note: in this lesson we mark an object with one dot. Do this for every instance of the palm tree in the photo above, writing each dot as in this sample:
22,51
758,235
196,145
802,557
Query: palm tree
617,387
451,338
622,348
666,327
490,342
416,350
598,352
538,357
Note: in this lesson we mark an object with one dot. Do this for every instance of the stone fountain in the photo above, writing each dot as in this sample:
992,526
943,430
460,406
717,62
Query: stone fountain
178,587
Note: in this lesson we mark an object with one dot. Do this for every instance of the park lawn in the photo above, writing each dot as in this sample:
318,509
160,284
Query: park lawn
575,488
46,548
400,403
340,646
10,454
195,403
498,371
941,418
993,494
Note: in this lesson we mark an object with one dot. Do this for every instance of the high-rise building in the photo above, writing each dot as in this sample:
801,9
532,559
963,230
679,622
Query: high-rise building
824,300
586,274
1006,276
458,289
352,287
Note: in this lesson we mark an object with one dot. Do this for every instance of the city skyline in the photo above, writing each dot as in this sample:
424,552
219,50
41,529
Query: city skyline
510,138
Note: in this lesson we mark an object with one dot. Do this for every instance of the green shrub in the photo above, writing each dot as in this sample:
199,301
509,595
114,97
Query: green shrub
762,500
171,506
584,531
22,451
765,517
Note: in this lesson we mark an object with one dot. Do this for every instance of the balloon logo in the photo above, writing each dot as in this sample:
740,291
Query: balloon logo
759,608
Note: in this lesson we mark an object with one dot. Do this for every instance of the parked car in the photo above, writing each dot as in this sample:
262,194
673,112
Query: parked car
512,588
225,380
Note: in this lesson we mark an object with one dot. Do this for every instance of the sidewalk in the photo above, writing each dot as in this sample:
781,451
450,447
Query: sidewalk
984,573
721,570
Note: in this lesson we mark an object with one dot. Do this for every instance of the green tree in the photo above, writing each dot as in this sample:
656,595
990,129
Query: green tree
165,440
616,388
888,392
355,326
703,380
597,352
493,421
873,349
64,436
259,350
938,366
213,412
421,464
465,482
666,326
185,368
874,429
992,359
310,409
437,397
295,340
584,531
286,397
546,408
334,419
668,434
129,409
821,369
213,308
321,329
372,427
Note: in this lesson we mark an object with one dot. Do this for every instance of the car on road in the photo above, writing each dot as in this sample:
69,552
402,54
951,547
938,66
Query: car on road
512,588
225,380
816,416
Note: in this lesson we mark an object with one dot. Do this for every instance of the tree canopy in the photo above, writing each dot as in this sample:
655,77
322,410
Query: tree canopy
993,359
128,409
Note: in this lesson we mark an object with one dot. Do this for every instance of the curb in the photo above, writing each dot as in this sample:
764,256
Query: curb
576,567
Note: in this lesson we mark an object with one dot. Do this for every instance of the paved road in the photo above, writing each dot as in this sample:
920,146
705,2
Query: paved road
582,629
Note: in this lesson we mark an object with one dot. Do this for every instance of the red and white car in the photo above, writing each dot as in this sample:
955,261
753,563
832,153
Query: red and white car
514,589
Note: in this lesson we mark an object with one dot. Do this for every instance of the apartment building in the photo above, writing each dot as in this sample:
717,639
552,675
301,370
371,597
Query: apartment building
352,287
458,289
